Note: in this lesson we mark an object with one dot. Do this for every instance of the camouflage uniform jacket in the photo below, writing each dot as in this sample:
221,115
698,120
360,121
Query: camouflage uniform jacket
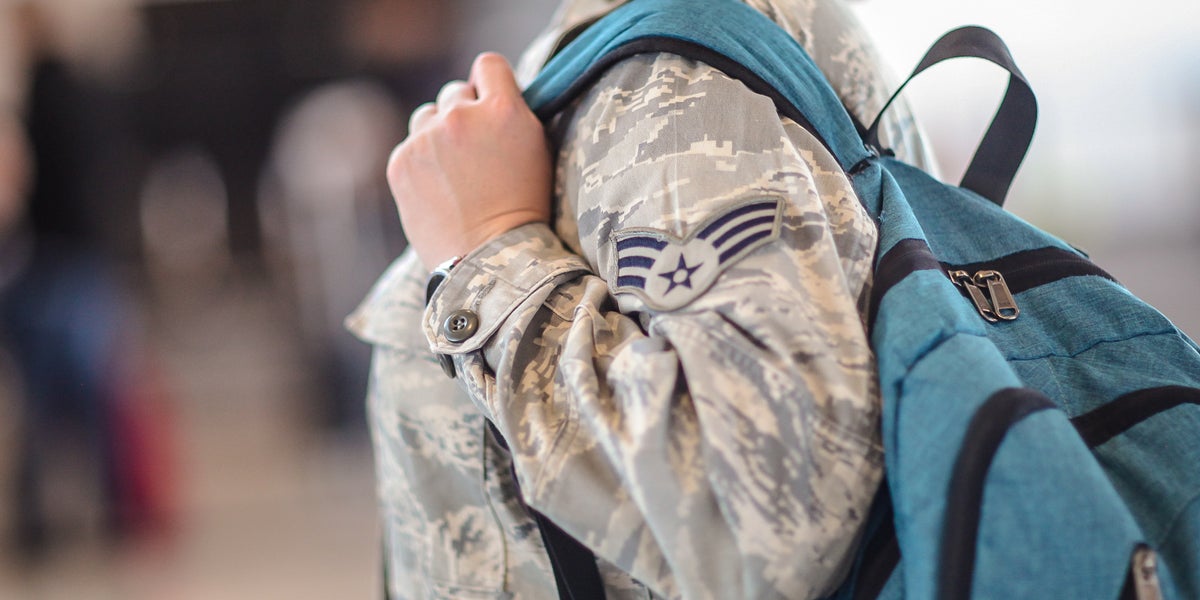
678,364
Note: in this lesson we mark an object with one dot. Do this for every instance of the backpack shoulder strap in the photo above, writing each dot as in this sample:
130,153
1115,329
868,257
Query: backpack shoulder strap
727,34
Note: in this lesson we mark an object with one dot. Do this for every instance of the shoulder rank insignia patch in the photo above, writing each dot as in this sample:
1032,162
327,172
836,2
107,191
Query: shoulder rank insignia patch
668,273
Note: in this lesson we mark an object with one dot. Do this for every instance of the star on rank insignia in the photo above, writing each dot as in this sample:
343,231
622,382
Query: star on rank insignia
669,273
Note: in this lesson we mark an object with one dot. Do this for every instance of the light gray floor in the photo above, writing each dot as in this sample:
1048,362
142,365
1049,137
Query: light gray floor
267,510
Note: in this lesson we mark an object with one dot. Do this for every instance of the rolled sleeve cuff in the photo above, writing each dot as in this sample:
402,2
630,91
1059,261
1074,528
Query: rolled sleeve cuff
491,282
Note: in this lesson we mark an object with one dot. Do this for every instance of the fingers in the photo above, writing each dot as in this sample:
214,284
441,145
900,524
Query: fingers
453,93
421,117
492,76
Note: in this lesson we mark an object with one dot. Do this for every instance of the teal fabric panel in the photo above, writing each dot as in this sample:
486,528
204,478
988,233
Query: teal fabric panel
912,329
1155,466
1083,381
1044,490
1052,525
1182,553
1071,316
867,183
1194,345
961,226
881,194
729,27
930,415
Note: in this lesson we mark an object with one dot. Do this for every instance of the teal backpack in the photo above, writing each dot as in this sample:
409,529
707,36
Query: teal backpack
1041,424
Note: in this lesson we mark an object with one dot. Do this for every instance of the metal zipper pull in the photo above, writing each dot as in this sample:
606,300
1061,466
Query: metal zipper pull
963,279
1004,306
1144,572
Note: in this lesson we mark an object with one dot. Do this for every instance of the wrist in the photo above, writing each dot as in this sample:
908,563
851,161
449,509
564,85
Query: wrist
435,252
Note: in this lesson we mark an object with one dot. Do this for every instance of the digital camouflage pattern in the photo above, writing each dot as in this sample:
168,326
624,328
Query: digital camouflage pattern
719,445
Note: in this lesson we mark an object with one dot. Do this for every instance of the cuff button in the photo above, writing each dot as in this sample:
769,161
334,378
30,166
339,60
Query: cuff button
460,325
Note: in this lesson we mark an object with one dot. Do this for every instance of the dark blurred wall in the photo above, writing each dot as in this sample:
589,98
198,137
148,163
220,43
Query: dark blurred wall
216,74
219,74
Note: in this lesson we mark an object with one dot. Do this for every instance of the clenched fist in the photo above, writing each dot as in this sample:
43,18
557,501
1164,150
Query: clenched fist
475,164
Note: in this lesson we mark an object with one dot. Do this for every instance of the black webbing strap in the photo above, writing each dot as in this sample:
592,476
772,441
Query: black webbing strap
575,570
383,554
989,425
1003,147
1106,422
566,556
881,553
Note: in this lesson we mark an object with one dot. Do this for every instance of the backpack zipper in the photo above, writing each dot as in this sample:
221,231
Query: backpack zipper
998,304
992,285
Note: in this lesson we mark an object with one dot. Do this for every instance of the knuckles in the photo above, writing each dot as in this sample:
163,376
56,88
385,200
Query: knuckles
406,159
456,120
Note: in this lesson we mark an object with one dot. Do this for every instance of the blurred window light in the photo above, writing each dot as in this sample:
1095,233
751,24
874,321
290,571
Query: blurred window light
1117,88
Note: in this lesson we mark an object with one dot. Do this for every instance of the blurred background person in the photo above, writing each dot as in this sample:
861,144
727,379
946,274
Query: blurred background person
63,314
214,171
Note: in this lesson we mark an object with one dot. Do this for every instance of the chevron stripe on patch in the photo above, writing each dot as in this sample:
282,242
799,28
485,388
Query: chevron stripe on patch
668,273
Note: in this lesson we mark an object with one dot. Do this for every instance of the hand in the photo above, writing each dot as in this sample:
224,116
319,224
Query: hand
475,165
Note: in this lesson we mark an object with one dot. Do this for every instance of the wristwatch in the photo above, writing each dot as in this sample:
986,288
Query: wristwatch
436,277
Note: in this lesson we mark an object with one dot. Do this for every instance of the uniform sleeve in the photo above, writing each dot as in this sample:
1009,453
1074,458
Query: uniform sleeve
680,368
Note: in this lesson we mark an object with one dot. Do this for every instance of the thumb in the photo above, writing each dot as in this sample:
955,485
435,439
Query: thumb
492,76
